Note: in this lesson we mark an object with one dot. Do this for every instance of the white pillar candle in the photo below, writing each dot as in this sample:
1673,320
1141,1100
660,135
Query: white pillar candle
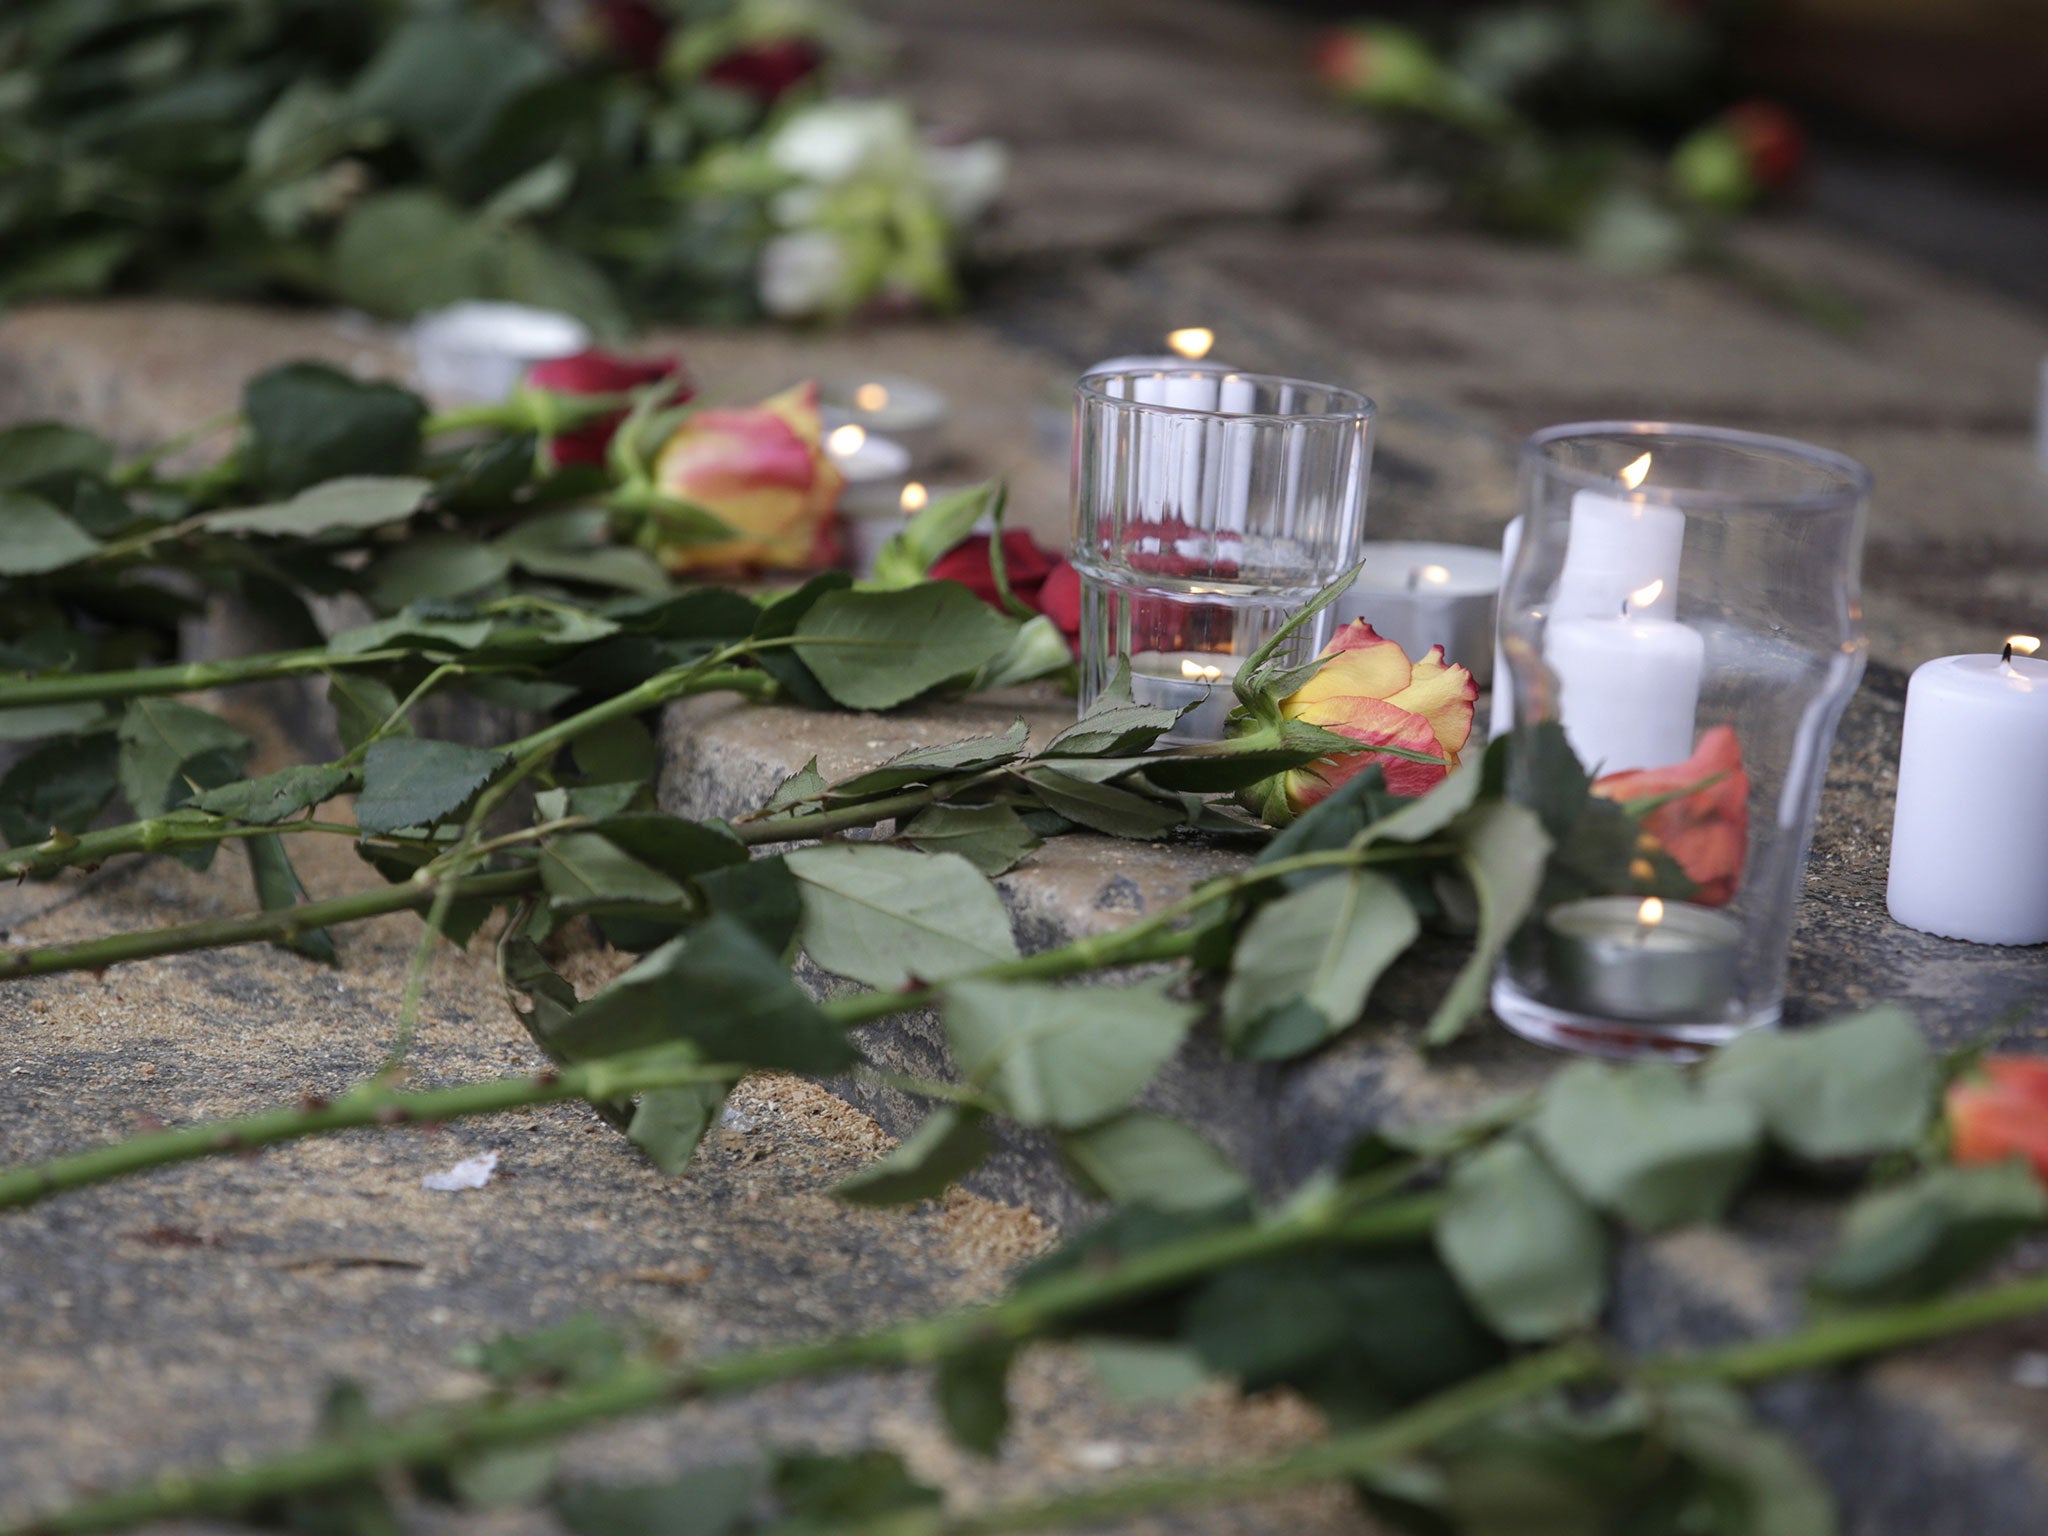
1502,719
1420,594
1628,689
1970,828
1618,546
1175,679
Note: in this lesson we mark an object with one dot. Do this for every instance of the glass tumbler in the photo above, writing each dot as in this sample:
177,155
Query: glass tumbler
1683,612
1209,507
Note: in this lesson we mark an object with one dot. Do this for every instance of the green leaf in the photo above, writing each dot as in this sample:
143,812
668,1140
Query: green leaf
778,621
434,565
969,1385
60,786
710,1501
1747,1464
804,785
680,849
718,988
1529,1255
443,78
1139,1158
953,1141
1503,850
830,1491
581,1348
354,502
617,751
574,546
1143,1371
1918,1238
944,522
35,537
929,765
435,636
883,915
39,720
761,895
1851,1088
309,422
361,704
1037,649
583,872
162,744
1640,1142
1304,965
993,838
49,450
1115,725
411,782
1062,1056
874,650
266,801
277,887
1104,807
669,1123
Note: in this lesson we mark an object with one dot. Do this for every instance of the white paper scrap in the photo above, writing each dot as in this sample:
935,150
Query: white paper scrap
470,1173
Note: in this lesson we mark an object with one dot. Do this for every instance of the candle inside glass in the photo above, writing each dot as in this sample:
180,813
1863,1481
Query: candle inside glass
904,410
1175,679
874,467
1641,959
1423,594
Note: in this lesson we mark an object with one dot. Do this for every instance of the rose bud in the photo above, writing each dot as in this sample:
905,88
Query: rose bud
763,471
1752,150
767,70
1368,689
601,373
1705,831
2001,1112
1380,66
634,30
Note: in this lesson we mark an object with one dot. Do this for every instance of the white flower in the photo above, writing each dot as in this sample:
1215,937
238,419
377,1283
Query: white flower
801,273
836,140
965,178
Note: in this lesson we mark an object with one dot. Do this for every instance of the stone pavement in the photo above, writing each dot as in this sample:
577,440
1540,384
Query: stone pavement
1171,169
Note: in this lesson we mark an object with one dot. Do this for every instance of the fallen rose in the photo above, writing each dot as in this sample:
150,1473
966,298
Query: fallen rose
1701,818
2000,1112
594,372
1369,690
1754,149
767,70
1380,66
763,471
1039,579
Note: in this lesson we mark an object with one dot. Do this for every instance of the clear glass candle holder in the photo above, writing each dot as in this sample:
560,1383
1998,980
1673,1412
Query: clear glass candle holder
1209,507
1684,605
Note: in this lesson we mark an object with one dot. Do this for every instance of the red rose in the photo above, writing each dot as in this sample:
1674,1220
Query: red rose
1368,689
636,31
1706,831
2001,1111
1773,144
766,70
600,373
1039,579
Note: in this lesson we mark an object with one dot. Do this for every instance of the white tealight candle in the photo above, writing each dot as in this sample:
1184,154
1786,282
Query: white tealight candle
1175,679
1970,829
874,468
479,350
902,409
1419,595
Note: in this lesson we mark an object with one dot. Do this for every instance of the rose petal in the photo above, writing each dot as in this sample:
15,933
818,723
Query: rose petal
1381,723
1360,664
1443,694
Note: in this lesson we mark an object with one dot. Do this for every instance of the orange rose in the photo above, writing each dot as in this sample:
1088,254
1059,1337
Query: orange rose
2001,1113
1706,831
1368,689
760,469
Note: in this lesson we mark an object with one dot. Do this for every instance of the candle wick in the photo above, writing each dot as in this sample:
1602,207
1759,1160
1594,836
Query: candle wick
2007,657
1415,580
1624,607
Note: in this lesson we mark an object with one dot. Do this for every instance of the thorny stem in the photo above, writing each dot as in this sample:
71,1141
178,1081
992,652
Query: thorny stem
183,677
373,1103
257,927
157,834
428,1438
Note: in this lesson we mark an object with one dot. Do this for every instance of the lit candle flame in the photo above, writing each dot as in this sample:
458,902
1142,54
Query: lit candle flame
846,440
1196,672
1636,473
1435,575
1192,342
915,497
2026,645
1643,597
871,397
1651,912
